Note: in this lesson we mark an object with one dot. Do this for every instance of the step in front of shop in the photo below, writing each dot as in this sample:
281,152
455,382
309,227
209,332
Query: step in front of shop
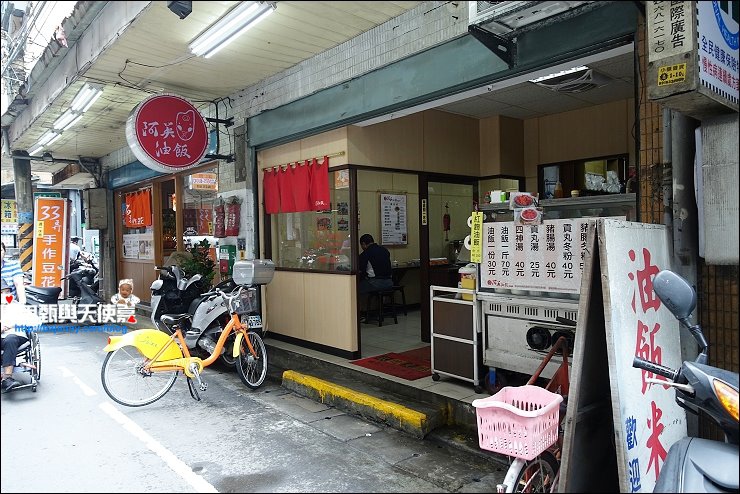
412,410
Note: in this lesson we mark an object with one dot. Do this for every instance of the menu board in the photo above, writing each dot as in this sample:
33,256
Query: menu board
393,230
546,257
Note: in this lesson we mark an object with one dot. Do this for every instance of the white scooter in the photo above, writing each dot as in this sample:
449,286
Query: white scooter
694,464
211,314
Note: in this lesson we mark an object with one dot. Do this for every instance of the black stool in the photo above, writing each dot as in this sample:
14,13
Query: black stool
384,305
399,288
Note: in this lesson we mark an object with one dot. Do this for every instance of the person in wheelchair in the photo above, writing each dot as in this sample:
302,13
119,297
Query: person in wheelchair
16,322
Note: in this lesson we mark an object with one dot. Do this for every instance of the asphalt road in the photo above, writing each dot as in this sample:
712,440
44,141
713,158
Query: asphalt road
70,437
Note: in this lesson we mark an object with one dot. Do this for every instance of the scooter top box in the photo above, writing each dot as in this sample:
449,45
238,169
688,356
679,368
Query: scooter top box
253,272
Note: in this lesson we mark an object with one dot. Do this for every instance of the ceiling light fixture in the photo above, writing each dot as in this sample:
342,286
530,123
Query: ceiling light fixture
66,120
53,140
559,74
34,150
229,27
85,98
82,102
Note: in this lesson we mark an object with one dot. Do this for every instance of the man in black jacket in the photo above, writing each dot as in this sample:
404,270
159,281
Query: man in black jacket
376,272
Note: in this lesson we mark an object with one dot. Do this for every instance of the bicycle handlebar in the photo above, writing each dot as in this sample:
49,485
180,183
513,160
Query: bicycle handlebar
655,368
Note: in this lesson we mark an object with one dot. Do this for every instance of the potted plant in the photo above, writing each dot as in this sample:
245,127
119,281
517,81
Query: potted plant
200,262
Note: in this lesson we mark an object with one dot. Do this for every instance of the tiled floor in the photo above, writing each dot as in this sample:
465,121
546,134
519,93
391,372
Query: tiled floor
396,338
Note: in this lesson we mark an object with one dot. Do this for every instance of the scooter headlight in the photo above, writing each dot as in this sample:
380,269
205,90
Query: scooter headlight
728,397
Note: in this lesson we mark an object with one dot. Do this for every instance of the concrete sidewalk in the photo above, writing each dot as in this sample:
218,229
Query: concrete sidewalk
417,412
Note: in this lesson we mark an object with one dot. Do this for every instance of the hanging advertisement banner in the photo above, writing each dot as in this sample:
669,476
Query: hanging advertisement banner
50,242
167,133
10,217
203,181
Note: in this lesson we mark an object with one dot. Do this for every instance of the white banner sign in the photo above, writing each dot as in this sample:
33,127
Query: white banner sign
717,34
546,257
648,419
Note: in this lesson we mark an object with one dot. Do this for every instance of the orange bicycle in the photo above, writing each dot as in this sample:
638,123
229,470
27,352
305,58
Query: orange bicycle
525,422
141,366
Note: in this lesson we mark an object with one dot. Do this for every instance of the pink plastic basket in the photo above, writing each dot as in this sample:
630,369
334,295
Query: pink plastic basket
519,421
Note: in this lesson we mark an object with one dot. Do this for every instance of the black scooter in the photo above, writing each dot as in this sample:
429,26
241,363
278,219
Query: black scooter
84,265
694,464
36,295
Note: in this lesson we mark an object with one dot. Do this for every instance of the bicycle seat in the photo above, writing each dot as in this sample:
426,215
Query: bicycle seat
170,320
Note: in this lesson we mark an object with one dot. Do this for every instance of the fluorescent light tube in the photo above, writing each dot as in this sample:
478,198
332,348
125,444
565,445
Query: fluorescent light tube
558,74
87,93
46,138
53,140
70,124
35,149
229,27
64,121
95,97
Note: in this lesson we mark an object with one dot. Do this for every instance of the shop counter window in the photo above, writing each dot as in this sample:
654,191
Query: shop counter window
316,240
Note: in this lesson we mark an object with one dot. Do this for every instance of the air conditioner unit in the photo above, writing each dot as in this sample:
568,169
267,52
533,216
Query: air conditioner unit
505,17
576,82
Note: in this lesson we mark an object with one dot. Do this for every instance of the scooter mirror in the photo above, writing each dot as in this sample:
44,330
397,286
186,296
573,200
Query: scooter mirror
676,293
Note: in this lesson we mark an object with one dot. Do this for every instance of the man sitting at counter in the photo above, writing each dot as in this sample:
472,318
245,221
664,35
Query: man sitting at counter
375,270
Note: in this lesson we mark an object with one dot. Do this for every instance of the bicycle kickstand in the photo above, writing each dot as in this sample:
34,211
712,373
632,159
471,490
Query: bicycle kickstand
201,385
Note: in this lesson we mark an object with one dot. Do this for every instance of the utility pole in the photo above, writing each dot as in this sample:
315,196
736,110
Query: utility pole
24,203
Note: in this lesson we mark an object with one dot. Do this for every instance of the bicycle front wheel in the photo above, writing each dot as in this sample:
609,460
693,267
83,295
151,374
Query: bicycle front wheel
538,475
127,382
252,367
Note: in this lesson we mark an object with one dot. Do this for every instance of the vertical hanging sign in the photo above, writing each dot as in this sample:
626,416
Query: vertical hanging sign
717,30
50,241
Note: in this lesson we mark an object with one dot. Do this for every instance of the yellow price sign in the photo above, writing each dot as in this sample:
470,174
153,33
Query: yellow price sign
476,237
671,74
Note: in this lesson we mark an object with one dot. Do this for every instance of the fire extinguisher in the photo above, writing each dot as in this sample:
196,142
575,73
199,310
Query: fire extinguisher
218,222
233,210
446,221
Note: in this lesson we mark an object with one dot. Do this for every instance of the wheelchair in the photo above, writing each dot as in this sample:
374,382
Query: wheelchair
28,361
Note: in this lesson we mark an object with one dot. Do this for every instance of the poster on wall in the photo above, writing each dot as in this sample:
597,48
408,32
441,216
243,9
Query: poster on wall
341,179
138,246
393,230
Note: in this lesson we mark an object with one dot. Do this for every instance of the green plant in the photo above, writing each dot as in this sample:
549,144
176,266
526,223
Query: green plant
199,262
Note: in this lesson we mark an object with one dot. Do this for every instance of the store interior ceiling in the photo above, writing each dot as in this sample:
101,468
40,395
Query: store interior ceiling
166,65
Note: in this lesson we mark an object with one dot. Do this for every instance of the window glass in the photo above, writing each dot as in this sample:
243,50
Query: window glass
137,224
316,240
200,196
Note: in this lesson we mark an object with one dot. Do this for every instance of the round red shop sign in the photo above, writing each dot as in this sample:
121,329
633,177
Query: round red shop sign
167,133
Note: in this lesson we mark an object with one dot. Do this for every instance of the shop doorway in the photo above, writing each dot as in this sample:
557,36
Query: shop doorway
444,211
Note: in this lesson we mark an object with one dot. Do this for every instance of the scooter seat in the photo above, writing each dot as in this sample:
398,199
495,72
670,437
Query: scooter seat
51,291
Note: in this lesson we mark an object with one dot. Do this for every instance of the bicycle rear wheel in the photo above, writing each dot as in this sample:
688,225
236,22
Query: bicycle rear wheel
538,475
126,382
252,368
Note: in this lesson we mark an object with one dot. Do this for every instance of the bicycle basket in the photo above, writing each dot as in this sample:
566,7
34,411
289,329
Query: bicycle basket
519,421
247,301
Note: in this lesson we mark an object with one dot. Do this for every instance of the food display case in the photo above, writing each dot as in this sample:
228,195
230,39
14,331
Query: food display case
530,277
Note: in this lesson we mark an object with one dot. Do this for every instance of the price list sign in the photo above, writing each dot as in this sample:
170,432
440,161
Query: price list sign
393,219
546,257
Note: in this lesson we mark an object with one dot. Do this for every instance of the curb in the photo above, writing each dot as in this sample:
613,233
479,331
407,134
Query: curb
415,422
